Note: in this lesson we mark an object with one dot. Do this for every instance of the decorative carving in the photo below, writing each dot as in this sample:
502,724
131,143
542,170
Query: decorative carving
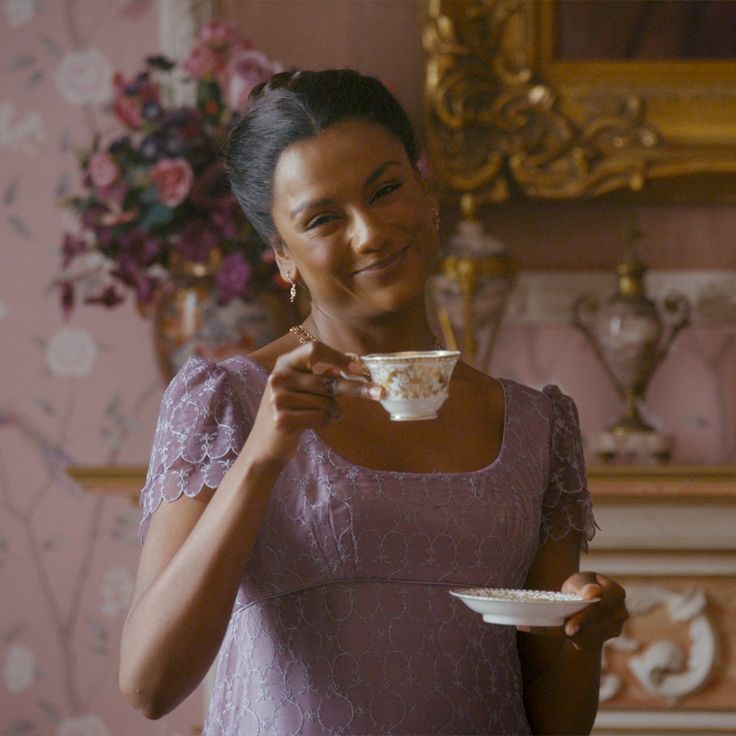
496,126
663,667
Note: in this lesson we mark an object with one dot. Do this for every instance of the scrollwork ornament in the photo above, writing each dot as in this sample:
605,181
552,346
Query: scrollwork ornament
663,667
495,128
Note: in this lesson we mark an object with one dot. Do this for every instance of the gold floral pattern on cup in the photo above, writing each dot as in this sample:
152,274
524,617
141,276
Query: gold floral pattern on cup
415,383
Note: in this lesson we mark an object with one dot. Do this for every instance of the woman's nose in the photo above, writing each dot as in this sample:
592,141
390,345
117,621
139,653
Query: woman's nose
368,232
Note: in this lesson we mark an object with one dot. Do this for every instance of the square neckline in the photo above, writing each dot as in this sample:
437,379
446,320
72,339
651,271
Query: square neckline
340,460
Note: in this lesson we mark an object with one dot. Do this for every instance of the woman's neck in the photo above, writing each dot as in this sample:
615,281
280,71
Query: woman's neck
392,333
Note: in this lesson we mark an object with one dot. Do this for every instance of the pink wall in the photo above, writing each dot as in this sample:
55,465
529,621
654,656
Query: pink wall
88,392
84,393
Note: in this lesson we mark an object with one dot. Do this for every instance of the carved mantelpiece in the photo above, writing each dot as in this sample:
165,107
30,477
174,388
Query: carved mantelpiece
667,534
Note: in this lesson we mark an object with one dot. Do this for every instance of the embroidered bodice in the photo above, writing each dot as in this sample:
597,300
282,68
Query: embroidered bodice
343,623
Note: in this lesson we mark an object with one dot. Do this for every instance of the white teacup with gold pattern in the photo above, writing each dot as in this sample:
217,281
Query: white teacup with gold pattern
415,384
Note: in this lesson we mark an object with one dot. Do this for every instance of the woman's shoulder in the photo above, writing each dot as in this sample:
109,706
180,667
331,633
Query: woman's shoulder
267,355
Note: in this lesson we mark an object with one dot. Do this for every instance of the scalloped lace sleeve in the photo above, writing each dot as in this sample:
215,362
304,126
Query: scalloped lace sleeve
201,428
567,504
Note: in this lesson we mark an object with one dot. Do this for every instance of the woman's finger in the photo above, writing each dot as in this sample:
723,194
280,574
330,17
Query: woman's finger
601,620
318,358
324,385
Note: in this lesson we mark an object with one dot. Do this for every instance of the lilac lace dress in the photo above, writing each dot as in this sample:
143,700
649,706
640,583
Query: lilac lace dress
343,623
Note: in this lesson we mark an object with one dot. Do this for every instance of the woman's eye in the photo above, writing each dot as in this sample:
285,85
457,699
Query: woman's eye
319,220
386,189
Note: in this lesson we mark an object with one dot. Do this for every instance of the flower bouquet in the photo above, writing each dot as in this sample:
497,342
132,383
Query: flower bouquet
156,201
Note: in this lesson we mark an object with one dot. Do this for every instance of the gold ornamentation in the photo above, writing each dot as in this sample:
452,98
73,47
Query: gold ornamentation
503,116
305,336
292,291
301,332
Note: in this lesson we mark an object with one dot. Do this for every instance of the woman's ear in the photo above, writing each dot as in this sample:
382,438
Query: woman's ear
284,261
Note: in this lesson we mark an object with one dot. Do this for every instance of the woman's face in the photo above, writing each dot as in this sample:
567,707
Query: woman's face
355,221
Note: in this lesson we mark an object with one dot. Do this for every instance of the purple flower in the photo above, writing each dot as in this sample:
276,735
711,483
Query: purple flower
71,248
66,298
108,297
233,277
196,242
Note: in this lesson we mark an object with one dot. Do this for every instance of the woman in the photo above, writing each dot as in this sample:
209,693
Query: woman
311,541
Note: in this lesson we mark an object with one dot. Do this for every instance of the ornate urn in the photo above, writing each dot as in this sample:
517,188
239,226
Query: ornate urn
631,336
472,287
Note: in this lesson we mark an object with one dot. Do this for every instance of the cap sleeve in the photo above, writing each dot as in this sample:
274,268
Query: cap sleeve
201,429
567,504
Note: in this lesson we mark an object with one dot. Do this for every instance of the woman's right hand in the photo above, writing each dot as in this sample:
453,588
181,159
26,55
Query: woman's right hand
301,392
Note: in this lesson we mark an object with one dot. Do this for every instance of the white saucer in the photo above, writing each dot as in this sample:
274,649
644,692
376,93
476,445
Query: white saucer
522,607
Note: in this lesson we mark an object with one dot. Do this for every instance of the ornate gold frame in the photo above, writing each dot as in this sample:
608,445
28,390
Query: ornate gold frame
504,117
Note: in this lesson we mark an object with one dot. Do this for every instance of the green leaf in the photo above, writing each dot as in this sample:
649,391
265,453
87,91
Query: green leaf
19,226
35,78
50,711
155,216
51,46
149,195
22,62
11,191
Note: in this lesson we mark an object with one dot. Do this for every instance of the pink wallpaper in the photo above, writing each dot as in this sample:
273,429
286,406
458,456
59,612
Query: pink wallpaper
87,392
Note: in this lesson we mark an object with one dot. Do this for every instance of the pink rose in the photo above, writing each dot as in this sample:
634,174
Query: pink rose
218,33
248,69
174,178
201,62
103,169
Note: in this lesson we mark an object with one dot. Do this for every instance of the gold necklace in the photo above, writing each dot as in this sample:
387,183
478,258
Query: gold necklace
301,332
305,336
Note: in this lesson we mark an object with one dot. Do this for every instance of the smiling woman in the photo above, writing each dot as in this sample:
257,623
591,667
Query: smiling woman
292,527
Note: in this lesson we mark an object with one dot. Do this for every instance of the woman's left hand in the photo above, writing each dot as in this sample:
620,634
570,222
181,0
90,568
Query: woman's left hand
598,621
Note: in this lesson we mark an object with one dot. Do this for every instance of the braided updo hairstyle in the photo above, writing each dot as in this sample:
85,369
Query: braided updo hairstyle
293,106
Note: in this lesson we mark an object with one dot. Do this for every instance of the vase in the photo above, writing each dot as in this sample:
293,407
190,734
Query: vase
188,321
631,335
471,289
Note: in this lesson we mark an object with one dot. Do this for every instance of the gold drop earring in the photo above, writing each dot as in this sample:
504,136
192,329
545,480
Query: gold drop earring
292,289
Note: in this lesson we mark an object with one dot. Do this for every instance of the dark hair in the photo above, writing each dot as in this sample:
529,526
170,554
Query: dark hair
293,106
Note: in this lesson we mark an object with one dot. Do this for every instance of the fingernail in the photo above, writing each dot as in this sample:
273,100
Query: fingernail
572,629
375,392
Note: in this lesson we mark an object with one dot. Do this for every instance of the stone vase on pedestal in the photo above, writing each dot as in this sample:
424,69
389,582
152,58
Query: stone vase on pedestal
631,335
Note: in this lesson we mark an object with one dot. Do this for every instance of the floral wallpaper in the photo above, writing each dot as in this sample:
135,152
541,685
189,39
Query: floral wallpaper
82,392
86,391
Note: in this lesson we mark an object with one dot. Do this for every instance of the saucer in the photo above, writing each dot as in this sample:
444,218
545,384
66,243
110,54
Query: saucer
522,607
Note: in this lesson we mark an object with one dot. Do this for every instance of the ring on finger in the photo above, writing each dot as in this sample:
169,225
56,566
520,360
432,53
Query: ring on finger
330,384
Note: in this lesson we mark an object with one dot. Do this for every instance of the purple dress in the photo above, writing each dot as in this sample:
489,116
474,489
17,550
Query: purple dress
343,623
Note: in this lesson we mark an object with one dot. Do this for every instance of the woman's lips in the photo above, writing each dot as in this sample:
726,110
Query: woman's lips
383,264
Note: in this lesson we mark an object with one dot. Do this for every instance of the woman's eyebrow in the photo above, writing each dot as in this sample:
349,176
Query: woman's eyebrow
327,202
310,203
377,173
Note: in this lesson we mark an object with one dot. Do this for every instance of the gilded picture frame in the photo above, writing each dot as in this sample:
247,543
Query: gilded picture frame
504,117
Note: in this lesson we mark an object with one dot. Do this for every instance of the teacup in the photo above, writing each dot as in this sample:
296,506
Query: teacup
415,384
